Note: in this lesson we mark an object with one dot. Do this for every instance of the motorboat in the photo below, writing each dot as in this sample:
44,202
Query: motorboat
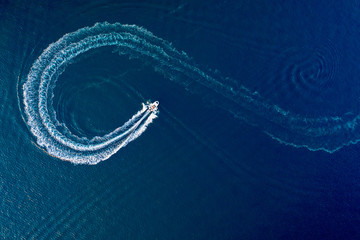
153,106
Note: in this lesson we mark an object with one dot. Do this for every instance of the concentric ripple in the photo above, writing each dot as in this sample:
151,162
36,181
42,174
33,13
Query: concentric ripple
304,75
327,133
310,74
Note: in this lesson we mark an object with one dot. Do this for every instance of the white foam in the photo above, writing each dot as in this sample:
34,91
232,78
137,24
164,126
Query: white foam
327,133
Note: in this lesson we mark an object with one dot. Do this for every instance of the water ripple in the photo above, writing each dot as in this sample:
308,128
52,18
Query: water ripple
306,75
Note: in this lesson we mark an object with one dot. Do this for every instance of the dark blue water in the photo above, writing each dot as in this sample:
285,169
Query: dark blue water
215,164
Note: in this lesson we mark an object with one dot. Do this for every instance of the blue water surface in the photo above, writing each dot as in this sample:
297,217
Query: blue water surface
212,165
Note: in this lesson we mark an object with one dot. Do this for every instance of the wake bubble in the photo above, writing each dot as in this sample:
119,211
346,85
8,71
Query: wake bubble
327,133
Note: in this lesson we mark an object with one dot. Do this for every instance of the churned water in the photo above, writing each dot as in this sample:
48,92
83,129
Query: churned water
256,135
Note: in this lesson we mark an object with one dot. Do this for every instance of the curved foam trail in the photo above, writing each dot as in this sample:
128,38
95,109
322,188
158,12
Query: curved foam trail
328,133
41,116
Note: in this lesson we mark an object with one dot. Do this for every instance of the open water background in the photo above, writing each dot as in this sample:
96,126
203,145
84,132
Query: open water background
197,172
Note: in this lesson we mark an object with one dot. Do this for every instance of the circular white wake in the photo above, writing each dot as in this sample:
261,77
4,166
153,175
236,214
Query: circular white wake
327,133
38,92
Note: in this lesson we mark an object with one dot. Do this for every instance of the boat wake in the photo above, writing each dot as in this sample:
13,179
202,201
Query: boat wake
327,133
